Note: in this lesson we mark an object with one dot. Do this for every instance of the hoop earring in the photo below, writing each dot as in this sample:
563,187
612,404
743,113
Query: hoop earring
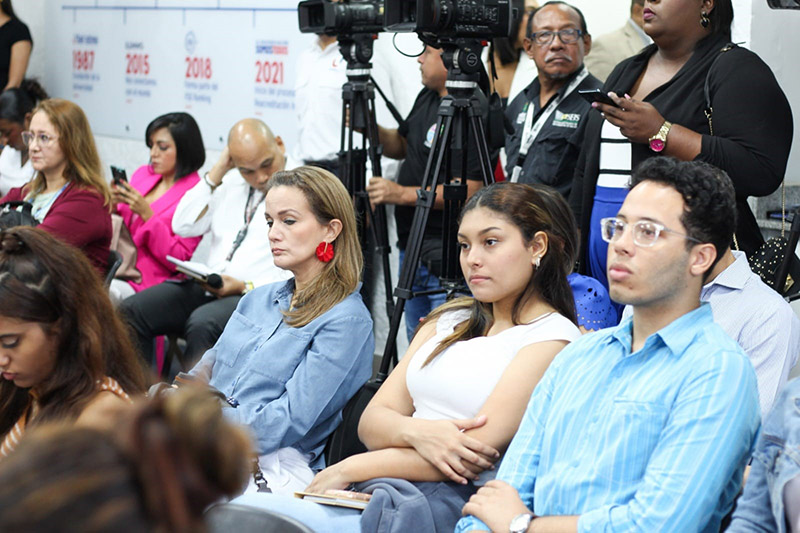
324,252
704,20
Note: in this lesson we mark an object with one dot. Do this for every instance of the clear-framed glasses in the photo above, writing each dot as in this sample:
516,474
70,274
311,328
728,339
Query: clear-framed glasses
567,36
42,138
645,232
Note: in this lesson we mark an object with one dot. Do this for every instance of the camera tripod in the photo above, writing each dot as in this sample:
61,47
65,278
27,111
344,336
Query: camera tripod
358,102
459,119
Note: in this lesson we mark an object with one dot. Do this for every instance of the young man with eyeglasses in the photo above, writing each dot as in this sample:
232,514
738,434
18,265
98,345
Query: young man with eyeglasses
646,426
548,114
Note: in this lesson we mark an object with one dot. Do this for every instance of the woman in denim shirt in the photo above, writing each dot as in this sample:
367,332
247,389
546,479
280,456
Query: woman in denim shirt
771,499
294,352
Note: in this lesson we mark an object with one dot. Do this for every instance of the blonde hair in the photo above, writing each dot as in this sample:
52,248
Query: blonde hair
77,142
339,278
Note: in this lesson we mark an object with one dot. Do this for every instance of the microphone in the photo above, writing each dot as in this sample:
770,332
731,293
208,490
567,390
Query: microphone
214,281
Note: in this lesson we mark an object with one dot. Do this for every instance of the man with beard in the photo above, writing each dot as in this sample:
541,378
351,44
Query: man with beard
548,114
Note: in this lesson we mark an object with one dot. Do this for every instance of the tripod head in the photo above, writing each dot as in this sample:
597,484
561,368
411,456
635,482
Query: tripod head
462,59
357,50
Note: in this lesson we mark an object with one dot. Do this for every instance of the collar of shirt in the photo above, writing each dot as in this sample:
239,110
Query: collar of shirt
640,32
733,277
532,91
331,49
677,336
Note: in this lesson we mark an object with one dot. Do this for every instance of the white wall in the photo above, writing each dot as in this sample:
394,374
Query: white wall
775,36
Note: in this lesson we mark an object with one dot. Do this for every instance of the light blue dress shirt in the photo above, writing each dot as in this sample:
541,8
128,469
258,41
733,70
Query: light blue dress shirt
291,384
655,440
757,318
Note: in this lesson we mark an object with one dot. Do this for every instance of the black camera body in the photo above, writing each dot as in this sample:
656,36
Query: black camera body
341,18
450,18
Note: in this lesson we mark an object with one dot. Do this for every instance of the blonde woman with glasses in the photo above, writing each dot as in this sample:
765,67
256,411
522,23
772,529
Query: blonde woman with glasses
68,193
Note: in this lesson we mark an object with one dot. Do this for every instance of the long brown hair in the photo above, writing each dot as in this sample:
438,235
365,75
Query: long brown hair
46,281
339,278
167,460
531,210
77,142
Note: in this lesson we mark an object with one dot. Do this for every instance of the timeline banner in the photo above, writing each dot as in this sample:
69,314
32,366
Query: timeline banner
127,61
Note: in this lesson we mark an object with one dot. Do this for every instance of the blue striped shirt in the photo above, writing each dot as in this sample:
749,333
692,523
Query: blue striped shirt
655,440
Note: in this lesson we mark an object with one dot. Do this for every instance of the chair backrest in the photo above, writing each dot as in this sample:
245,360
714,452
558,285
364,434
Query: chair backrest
783,270
227,517
114,262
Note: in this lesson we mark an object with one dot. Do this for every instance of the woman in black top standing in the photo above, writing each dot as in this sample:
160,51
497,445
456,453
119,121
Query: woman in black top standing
15,47
661,111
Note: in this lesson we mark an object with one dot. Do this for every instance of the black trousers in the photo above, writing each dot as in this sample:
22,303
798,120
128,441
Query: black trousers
182,309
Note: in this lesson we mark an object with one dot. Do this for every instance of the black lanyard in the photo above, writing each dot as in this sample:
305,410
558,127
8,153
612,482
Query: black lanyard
249,211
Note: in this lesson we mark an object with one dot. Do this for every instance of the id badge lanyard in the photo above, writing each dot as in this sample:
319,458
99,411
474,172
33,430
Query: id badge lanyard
532,128
249,211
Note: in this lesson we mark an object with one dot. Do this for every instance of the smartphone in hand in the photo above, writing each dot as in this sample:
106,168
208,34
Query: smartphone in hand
118,175
596,95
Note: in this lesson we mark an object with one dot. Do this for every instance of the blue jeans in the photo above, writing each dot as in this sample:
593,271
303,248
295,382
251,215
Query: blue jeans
418,308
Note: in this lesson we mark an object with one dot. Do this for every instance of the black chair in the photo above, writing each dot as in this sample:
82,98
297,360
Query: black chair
114,262
174,351
782,272
227,517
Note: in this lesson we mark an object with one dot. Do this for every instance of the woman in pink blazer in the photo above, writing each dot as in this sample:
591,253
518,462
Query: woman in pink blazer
147,203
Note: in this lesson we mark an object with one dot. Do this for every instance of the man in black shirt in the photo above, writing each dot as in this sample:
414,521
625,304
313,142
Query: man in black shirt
412,141
549,112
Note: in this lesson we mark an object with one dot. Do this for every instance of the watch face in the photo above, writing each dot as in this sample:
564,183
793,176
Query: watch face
656,145
520,523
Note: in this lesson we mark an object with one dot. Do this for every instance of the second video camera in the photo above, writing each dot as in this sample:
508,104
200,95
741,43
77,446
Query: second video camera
450,18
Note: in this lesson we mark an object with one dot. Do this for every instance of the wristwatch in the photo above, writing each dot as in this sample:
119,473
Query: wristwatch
520,523
659,141
208,182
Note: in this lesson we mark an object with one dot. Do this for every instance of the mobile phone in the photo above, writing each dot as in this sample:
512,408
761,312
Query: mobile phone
118,175
597,95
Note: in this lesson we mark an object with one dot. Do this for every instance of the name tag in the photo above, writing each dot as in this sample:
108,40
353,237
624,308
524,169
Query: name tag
521,118
566,120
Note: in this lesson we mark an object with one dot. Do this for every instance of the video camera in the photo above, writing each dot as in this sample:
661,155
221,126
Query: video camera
338,18
431,19
450,18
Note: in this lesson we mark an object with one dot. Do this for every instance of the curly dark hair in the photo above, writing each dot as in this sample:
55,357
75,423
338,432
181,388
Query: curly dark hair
709,199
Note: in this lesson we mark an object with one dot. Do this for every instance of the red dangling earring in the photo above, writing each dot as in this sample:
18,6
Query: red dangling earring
325,252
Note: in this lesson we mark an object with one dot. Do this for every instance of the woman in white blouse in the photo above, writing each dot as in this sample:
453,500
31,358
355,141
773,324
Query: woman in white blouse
450,408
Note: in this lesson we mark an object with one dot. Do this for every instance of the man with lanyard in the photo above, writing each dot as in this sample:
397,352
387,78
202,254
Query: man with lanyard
227,207
413,141
547,115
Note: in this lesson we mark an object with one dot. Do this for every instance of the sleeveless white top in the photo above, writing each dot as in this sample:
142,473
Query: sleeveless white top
459,380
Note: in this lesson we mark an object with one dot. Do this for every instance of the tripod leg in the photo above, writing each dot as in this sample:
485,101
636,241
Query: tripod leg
426,196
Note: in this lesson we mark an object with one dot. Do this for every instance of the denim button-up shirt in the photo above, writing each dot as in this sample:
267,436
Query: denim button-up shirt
776,461
291,384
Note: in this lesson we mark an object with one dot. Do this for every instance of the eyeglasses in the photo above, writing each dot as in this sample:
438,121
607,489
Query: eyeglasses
42,138
568,36
645,232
